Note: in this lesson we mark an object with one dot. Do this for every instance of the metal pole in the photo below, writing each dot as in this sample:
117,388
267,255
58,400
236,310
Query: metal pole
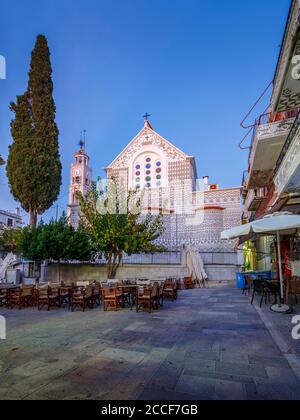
282,307
176,231
280,267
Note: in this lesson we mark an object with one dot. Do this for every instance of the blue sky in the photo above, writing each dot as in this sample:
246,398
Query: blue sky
196,65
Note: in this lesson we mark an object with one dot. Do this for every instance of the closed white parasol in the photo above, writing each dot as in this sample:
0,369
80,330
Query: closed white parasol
196,266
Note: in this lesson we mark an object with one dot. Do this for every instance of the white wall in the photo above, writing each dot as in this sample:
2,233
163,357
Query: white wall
4,217
74,273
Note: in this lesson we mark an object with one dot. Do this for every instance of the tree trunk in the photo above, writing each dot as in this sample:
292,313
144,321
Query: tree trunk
58,271
32,218
109,265
113,265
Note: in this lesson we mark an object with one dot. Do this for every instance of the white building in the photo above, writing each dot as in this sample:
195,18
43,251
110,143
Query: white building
10,220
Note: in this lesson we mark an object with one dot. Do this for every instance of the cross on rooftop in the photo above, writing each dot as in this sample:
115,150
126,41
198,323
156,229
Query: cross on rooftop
146,116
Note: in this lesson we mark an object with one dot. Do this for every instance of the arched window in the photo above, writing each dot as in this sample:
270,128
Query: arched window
146,169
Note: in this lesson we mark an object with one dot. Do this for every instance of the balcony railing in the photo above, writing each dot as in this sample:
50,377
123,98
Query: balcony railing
288,142
269,125
270,118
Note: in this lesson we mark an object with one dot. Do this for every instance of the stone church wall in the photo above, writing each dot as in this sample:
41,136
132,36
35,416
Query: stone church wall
221,211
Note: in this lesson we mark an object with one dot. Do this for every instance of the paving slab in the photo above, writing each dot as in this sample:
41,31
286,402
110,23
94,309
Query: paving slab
226,390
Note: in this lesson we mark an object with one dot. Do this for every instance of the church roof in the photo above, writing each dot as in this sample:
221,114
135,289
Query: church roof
148,125
146,130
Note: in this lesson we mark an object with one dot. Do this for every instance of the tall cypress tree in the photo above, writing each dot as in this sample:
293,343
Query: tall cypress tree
33,166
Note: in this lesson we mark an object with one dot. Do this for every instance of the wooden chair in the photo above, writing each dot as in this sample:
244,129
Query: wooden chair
97,293
65,294
170,290
3,297
111,298
21,298
126,296
188,283
82,297
38,290
161,294
147,298
48,296
292,289
155,295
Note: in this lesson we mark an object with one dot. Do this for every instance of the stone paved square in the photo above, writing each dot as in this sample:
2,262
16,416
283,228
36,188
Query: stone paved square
209,345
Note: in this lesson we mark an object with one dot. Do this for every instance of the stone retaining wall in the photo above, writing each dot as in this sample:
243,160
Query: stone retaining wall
90,272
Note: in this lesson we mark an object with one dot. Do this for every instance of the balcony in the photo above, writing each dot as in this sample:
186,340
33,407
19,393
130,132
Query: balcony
287,178
286,93
269,136
254,199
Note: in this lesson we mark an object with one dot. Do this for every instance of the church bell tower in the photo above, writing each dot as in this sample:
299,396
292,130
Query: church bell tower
81,181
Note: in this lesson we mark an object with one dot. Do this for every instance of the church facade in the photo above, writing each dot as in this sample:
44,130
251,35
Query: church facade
153,164
204,210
